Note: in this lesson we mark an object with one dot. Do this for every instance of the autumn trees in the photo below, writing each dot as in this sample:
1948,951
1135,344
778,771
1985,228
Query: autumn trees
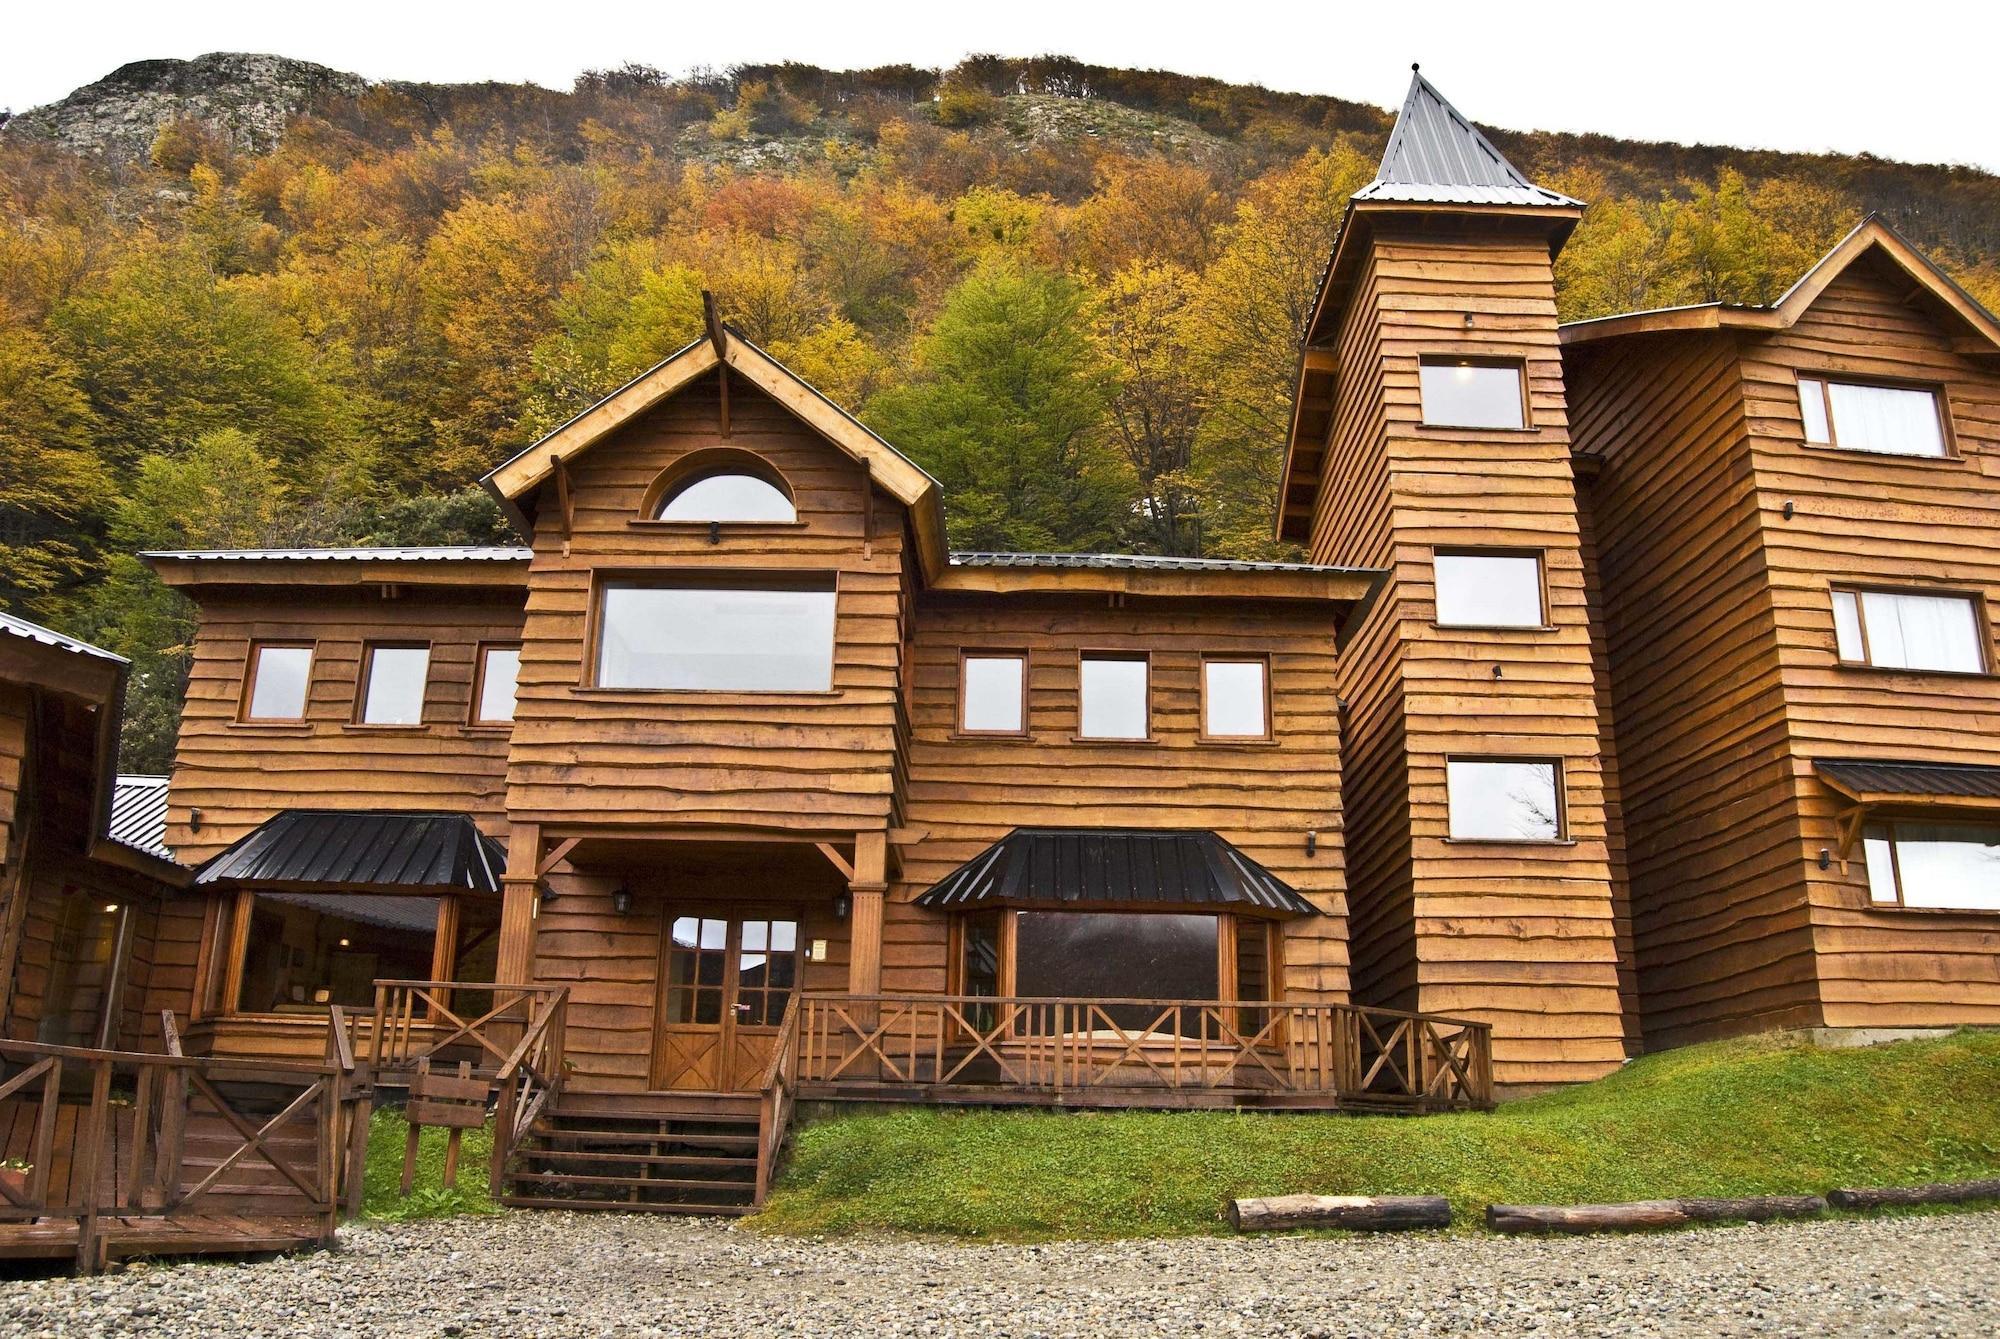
1089,338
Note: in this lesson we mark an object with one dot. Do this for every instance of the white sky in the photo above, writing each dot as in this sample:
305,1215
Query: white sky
1910,83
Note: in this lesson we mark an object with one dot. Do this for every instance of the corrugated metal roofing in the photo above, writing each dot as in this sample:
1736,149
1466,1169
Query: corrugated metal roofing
360,851
1436,156
1113,867
433,553
1141,561
35,632
139,814
1873,776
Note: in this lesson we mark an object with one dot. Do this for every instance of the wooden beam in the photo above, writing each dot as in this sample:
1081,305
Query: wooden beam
555,855
833,856
719,339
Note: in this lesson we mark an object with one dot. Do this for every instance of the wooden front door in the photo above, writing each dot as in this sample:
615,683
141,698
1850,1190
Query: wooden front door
726,979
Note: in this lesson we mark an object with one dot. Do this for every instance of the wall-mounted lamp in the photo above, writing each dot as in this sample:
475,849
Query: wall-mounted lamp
1497,673
1790,507
621,900
544,894
715,532
1825,858
194,820
1312,841
842,904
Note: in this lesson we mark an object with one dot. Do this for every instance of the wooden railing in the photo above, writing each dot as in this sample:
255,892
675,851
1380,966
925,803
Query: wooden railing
1133,1051
428,1020
777,1096
529,1078
100,1143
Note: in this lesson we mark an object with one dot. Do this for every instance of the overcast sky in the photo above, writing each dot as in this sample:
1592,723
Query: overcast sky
1815,76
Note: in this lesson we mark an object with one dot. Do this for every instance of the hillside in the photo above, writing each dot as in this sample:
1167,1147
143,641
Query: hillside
249,300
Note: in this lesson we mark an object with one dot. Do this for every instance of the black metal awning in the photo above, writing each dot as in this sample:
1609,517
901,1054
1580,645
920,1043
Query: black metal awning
1115,868
360,851
1871,779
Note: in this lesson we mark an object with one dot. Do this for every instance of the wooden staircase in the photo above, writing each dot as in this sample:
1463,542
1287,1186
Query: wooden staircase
692,1153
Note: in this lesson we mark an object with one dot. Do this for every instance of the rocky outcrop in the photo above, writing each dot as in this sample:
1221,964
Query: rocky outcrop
249,98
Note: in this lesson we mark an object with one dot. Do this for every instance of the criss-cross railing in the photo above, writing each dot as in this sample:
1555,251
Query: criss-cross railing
444,1021
1122,1051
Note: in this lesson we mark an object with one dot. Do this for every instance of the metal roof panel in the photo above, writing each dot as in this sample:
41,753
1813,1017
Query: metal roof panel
1114,867
361,850
1436,156
139,814
35,632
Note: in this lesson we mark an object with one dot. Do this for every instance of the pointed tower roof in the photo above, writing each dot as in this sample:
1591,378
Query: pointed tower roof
1436,156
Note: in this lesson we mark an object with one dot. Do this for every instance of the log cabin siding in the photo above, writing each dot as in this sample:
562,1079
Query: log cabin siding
1522,936
240,774
1876,520
821,762
966,792
1718,920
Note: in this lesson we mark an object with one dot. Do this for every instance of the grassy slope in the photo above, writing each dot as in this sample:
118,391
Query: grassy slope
1760,1115
388,1134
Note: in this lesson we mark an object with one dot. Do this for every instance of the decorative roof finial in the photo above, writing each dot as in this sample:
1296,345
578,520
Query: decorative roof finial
1414,67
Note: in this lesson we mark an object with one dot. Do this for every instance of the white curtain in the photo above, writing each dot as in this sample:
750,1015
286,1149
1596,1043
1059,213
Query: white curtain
1926,632
1886,418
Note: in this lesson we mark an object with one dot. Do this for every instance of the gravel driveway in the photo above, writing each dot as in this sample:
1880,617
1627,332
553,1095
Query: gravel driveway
560,1274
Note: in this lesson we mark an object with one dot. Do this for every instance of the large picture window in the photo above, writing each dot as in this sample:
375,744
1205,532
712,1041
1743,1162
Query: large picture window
1939,866
1893,420
1504,799
1470,393
736,637
304,951
1117,955
1903,630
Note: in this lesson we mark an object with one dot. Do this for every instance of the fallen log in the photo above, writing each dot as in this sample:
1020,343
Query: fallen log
1353,1213
1949,1192
1752,1208
1637,1215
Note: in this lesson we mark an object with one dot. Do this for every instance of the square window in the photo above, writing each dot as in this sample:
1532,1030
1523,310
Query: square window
393,691
1113,690
1904,630
1467,393
992,692
279,676
1504,799
499,679
1489,590
1233,699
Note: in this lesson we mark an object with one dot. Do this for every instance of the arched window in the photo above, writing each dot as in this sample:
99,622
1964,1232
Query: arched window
727,494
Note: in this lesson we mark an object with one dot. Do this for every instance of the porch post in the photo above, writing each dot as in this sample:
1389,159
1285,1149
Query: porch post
867,890
516,959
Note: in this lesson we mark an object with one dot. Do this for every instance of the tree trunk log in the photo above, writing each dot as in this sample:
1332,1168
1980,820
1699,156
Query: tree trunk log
1585,1217
1752,1209
1954,1192
1354,1213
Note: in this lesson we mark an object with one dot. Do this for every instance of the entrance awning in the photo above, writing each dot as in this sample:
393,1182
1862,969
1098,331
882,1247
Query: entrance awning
1115,868
305,850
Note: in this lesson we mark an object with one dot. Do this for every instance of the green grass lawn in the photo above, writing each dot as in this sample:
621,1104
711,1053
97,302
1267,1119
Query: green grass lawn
1754,1116
382,1179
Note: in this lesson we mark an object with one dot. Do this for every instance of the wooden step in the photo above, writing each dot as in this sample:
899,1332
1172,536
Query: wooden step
747,1139
737,1106
711,1185
633,1159
615,1206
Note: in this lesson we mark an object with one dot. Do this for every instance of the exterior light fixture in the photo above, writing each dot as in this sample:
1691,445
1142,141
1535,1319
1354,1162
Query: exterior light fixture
1312,841
621,900
842,904
343,943
194,820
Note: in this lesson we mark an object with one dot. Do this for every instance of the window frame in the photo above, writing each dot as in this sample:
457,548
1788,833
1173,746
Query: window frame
1981,625
705,463
1900,906
472,717
224,989
960,729
1520,369
1202,735
359,717
1562,836
829,580
253,666
1541,561
1940,402
1143,657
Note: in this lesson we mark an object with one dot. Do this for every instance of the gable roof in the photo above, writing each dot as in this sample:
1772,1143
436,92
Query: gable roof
724,346
1873,236
1436,156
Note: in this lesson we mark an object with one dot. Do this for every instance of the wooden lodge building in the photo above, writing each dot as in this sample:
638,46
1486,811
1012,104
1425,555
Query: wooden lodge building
1639,688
